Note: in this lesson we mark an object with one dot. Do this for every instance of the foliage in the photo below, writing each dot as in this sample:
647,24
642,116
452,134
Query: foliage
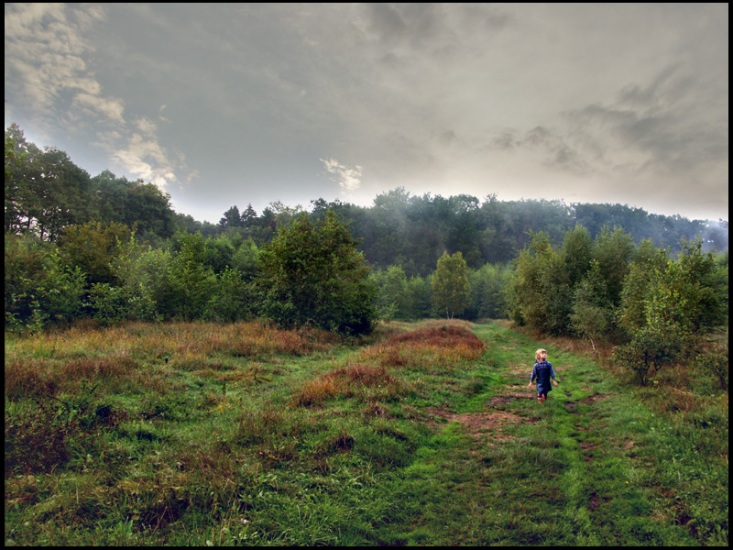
61,291
206,270
539,295
231,299
649,350
313,274
613,251
189,281
592,315
420,297
392,300
451,285
39,287
144,275
715,361
136,204
669,310
93,247
488,291
25,257
245,259
577,252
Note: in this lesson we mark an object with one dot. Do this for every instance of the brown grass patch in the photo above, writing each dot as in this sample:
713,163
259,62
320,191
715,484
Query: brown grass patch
92,368
254,338
434,344
31,378
446,336
347,381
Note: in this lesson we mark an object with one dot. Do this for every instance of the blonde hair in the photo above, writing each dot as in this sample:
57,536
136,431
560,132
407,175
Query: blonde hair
538,353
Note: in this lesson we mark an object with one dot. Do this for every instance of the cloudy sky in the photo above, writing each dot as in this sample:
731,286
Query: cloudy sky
237,104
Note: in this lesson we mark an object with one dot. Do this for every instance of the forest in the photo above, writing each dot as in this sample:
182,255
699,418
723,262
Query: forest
108,249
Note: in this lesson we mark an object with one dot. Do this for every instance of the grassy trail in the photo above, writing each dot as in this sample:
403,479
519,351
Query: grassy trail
197,434
577,469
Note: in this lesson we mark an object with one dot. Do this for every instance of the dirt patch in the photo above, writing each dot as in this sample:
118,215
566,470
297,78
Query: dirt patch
481,425
504,399
587,448
593,398
596,500
571,405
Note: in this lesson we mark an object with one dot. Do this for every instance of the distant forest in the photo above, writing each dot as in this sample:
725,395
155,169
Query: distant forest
45,192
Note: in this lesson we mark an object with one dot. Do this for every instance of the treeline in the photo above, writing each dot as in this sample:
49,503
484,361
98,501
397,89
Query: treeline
111,250
46,192
414,231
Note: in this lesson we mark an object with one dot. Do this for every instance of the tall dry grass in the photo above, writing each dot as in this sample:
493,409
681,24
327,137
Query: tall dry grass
434,344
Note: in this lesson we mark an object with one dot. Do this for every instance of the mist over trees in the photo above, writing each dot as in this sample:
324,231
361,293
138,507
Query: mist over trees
110,249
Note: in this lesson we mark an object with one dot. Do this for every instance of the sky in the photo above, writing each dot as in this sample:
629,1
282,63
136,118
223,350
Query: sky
225,105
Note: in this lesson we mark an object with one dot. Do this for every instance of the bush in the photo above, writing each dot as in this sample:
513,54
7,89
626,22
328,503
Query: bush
715,362
648,351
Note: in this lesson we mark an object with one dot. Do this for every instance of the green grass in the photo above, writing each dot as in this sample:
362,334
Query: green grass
194,434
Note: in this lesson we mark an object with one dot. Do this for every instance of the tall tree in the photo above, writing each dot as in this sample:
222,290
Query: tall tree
149,210
392,300
231,218
576,253
451,285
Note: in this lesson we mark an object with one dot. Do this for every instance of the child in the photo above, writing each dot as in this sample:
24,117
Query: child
543,373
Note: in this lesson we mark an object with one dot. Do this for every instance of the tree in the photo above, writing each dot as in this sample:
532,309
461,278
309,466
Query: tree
451,286
313,274
613,251
576,252
44,190
392,299
488,289
25,258
190,281
93,246
231,299
231,218
149,209
60,291
591,315
539,295
677,304
646,262
420,298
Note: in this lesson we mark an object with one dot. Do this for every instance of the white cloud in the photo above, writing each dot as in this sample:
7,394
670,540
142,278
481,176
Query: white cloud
109,107
145,159
47,63
349,179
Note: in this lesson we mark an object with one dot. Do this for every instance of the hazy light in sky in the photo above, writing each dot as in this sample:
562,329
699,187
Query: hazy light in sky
236,104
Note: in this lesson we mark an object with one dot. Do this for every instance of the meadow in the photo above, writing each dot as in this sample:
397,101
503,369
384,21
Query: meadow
421,434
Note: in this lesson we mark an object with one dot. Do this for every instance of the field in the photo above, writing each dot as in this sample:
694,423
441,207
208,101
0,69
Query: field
422,434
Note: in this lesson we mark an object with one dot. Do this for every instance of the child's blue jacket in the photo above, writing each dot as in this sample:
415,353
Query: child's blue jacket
543,373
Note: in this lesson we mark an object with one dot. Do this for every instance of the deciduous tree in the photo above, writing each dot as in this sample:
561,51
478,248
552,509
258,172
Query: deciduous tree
313,274
451,286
